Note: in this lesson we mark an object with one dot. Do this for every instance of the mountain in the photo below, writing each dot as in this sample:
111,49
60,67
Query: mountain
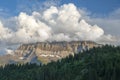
46,52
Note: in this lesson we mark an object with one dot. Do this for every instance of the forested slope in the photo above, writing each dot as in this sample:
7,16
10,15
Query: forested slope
102,63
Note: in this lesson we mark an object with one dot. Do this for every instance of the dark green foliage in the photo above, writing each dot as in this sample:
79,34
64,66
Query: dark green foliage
101,63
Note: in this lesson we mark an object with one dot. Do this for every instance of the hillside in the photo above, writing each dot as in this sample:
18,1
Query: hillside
102,63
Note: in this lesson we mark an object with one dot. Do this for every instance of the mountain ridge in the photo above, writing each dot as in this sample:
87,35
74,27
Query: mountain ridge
45,52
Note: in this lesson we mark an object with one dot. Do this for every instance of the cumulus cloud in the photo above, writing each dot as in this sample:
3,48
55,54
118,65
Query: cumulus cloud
4,32
64,23
32,28
109,23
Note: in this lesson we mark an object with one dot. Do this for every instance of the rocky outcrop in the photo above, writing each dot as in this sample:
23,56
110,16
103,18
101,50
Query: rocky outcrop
46,52
52,51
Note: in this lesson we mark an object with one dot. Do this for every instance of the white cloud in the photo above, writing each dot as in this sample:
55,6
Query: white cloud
49,13
49,3
110,23
64,23
4,32
32,28
55,23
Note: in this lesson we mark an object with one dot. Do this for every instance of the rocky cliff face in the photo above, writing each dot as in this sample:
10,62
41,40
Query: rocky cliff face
46,52
52,51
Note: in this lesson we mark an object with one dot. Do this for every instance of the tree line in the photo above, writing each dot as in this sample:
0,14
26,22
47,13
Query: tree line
102,63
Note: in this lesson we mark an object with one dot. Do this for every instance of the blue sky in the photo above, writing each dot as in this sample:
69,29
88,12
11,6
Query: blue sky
97,6
100,7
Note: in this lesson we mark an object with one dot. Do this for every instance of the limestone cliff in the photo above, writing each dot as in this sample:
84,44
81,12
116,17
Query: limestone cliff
51,51
45,52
